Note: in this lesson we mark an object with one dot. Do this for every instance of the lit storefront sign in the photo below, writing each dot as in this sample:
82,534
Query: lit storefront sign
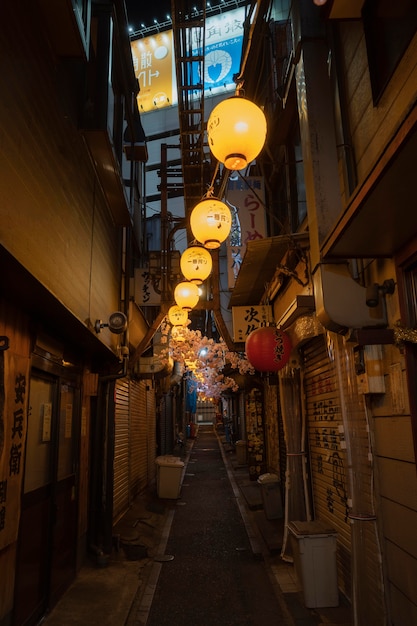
248,318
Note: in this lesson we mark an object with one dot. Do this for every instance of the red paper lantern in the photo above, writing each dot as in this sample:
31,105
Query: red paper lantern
268,349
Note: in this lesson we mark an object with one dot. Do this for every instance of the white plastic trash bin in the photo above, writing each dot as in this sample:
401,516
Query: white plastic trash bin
314,550
168,476
271,495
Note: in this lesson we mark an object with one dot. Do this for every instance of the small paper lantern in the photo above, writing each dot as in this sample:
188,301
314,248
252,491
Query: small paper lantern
186,295
268,349
211,221
177,316
236,131
196,264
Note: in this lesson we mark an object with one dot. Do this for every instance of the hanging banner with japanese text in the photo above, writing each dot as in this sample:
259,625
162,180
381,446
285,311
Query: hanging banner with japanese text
14,372
246,199
248,318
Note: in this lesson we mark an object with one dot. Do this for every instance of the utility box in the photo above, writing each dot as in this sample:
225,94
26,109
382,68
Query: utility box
168,476
271,495
241,457
314,550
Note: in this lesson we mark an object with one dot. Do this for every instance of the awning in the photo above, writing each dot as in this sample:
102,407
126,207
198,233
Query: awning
261,259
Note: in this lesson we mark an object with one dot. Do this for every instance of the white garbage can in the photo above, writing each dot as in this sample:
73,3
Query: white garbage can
168,476
314,550
271,495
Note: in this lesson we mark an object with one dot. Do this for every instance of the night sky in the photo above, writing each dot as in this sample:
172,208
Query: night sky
145,11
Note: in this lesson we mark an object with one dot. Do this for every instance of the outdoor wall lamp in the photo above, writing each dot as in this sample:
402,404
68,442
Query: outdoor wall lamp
210,222
373,291
196,264
236,131
117,323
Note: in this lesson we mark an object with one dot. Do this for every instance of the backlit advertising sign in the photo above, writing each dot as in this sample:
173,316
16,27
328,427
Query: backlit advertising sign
154,62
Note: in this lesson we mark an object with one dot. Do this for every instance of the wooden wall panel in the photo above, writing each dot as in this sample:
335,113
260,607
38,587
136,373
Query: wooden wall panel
401,534
372,127
54,219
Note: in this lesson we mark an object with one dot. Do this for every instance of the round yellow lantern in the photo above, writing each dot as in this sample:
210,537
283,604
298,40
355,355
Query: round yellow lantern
211,221
186,295
196,264
177,316
236,132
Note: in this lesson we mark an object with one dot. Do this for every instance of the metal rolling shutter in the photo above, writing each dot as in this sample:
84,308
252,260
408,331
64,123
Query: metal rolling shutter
139,437
166,434
121,449
151,431
135,442
328,464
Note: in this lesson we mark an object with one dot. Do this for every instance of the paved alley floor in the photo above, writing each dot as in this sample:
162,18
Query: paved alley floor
211,574
210,557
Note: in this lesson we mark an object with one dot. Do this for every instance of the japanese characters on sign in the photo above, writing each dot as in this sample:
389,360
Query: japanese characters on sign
246,198
13,418
248,318
146,293
154,63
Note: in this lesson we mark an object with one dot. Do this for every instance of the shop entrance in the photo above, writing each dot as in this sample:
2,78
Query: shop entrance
46,557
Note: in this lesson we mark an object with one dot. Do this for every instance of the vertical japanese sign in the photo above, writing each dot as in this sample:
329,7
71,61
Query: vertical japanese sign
246,198
146,291
248,318
153,62
13,407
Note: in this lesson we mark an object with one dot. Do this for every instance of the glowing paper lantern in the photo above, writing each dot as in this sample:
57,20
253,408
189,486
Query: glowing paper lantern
268,349
211,221
177,316
186,295
236,131
196,264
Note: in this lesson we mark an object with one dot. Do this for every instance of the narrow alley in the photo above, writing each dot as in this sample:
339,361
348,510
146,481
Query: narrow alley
214,577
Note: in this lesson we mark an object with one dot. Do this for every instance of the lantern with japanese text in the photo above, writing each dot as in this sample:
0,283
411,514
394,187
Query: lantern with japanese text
268,349
186,295
236,131
177,316
196,264
211,221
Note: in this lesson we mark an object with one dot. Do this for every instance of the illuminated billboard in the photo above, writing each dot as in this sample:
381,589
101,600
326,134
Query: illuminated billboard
154,63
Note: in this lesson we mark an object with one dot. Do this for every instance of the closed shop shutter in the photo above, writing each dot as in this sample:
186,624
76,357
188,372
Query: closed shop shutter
139,436
151,432
121,449
327,452
135,439
166,435
206,412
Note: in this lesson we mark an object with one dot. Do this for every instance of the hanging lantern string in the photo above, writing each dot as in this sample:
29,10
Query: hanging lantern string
210,191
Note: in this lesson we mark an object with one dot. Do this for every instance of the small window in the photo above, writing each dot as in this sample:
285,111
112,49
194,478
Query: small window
389,27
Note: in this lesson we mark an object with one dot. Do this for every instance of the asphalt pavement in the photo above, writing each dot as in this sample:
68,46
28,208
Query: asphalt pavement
208,557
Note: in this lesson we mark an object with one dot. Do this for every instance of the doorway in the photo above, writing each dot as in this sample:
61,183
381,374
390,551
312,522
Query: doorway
46,558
